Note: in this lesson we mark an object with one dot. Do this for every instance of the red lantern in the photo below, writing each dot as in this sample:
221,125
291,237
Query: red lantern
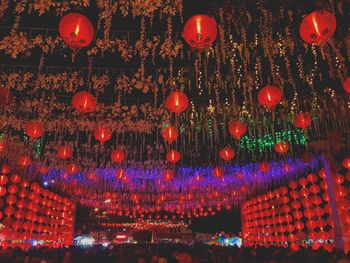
200,31
34,129
177,102
24,161
173,156
169,134
269,96
346,85
84,102
43,169
346,163
264,167
64,152
281,147
15,178
120,174
76,30
218,172
102,134
71,168
2,146
5,169
2,191
117,156
227,153
237,129
317,27
302,121
168,175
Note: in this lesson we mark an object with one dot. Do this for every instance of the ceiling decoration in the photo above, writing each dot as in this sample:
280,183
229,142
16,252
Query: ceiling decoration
106,97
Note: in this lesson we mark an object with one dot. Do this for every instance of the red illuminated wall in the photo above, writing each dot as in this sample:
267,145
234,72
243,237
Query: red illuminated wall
29,212
298,214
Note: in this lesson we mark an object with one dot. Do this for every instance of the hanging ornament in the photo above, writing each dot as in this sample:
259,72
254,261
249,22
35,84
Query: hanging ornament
200,31
76,30
177,102
120,174
102,134
24,161
317,27
302,120
84,102
237,129
173,156
168,175
72,168
34,129
346,163
346,85
5,169
117,156
64,152
170,134
218,172
281,147
43,169
269,96
227,153
264,167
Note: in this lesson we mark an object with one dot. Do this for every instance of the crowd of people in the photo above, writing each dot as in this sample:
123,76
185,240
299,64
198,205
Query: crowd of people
167,253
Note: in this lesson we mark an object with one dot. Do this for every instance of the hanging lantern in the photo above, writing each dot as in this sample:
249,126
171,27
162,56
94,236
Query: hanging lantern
269,96
43,169
200,31
84,102
24,161
317,27
64,152
102,134
6,97
71,168
227,153
5,169
15,178
2,146
264,167
76,30
177,102
170,134
173,156
302,121
168,175
120,174
117,156
346,85
281,147
346,163
34,129
237,129
218,172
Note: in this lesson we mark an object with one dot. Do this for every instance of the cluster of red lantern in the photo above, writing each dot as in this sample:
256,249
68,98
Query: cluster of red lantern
287,215
317,27
76,30
200,31
30,212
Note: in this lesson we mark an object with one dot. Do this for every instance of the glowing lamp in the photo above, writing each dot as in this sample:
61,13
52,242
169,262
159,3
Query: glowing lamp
269,96
200,31
64,152
281,147
237,129
302,121
227,153
34,129
173,156
177,102
84,102
169,134
102,134
117,156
